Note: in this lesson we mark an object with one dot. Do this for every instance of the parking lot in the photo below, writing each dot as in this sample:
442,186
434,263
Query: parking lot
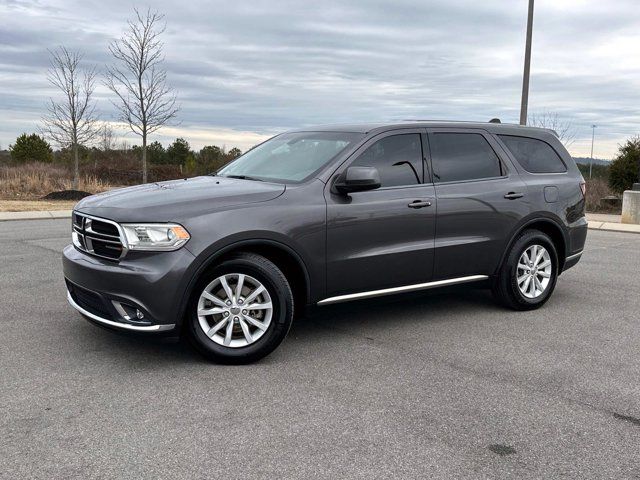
433,385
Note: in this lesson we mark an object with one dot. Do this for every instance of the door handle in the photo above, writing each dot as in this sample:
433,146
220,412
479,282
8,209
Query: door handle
419,204
513,195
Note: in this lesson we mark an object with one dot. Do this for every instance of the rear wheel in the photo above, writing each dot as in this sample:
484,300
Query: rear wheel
528,276
241,310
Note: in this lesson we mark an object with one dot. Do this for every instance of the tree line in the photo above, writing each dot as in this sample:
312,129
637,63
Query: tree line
137,80
35,148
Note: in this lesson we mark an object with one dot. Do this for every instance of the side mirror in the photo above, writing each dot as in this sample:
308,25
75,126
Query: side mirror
357,179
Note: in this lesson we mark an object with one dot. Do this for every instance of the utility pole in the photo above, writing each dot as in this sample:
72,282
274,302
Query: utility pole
527,66
593,134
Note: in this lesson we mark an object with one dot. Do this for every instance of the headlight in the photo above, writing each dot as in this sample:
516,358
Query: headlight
155,236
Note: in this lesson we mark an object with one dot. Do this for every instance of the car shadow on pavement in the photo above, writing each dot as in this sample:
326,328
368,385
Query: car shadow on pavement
398,311
374,315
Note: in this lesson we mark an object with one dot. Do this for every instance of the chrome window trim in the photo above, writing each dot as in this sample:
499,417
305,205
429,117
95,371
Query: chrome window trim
471,180
123,326
406,288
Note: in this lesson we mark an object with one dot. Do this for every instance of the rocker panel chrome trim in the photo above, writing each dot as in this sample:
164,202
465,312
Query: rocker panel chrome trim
406,288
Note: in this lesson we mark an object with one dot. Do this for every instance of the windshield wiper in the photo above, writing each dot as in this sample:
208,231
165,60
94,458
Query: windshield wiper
243,177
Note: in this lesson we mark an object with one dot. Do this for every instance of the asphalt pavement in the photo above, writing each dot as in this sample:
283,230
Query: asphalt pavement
443,384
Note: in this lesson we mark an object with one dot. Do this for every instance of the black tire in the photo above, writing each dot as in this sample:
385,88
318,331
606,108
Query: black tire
505,286
270,276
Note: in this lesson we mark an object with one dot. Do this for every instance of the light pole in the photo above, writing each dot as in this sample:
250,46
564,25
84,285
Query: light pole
593,134
527,65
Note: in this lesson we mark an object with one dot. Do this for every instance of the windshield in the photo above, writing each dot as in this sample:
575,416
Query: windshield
290,157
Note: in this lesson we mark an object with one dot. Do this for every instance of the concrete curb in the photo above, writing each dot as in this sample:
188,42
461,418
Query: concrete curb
50,214
41,215
614,227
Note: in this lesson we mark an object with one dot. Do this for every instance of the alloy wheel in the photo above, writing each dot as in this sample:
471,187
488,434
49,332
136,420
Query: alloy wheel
534,271
235,310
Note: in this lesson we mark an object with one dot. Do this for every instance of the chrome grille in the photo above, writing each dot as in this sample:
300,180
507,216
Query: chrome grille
97,236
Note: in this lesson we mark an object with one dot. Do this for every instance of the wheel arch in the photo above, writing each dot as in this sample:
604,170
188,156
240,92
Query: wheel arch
282,255
548,225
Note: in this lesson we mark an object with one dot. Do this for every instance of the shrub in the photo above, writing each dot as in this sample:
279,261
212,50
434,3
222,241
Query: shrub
190,165
31,148
178,152
624,168
156,154
211,158
597,189
598,171
234,153
65,155
160,173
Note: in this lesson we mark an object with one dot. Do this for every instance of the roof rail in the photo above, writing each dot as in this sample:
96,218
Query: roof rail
493,120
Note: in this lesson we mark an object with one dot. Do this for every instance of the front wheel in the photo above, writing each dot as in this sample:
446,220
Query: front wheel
528,276
241,310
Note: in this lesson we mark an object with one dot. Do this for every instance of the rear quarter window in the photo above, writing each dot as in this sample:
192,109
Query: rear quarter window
534,155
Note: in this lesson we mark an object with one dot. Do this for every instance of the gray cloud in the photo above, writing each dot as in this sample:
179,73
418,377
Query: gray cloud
265,66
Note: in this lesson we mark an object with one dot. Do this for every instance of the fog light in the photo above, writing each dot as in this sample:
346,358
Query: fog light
129,312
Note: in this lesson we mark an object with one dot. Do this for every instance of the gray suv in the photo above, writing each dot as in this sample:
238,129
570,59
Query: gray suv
324,215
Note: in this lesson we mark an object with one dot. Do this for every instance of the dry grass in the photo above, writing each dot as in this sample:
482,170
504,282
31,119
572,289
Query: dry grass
35,180
598,188
35,205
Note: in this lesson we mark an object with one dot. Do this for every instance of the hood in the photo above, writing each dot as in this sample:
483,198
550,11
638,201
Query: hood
175,200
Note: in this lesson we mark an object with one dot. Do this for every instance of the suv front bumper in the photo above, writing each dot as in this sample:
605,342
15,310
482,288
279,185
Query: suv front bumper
119,325
140,293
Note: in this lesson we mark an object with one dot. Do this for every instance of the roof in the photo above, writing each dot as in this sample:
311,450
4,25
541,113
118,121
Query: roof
504,128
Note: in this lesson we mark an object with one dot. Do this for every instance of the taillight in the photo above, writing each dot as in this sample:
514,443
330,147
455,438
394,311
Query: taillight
583,188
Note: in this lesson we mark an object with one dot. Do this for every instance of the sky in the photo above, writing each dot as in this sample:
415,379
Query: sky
245,70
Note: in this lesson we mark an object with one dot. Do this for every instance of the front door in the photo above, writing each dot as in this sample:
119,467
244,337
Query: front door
385,237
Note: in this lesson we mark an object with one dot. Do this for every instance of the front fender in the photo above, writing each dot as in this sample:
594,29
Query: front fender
246,240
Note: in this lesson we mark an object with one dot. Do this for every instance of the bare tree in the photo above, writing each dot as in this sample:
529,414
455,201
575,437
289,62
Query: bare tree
565,130
106,142
144,100
106,137
71,120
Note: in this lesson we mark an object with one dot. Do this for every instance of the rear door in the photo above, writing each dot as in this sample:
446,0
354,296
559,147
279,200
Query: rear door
480,200
383,238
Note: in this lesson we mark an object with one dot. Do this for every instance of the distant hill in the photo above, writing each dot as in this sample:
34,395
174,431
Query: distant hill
587,160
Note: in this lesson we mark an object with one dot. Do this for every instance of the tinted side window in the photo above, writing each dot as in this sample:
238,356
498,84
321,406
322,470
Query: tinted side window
398,158
462,156
534,155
